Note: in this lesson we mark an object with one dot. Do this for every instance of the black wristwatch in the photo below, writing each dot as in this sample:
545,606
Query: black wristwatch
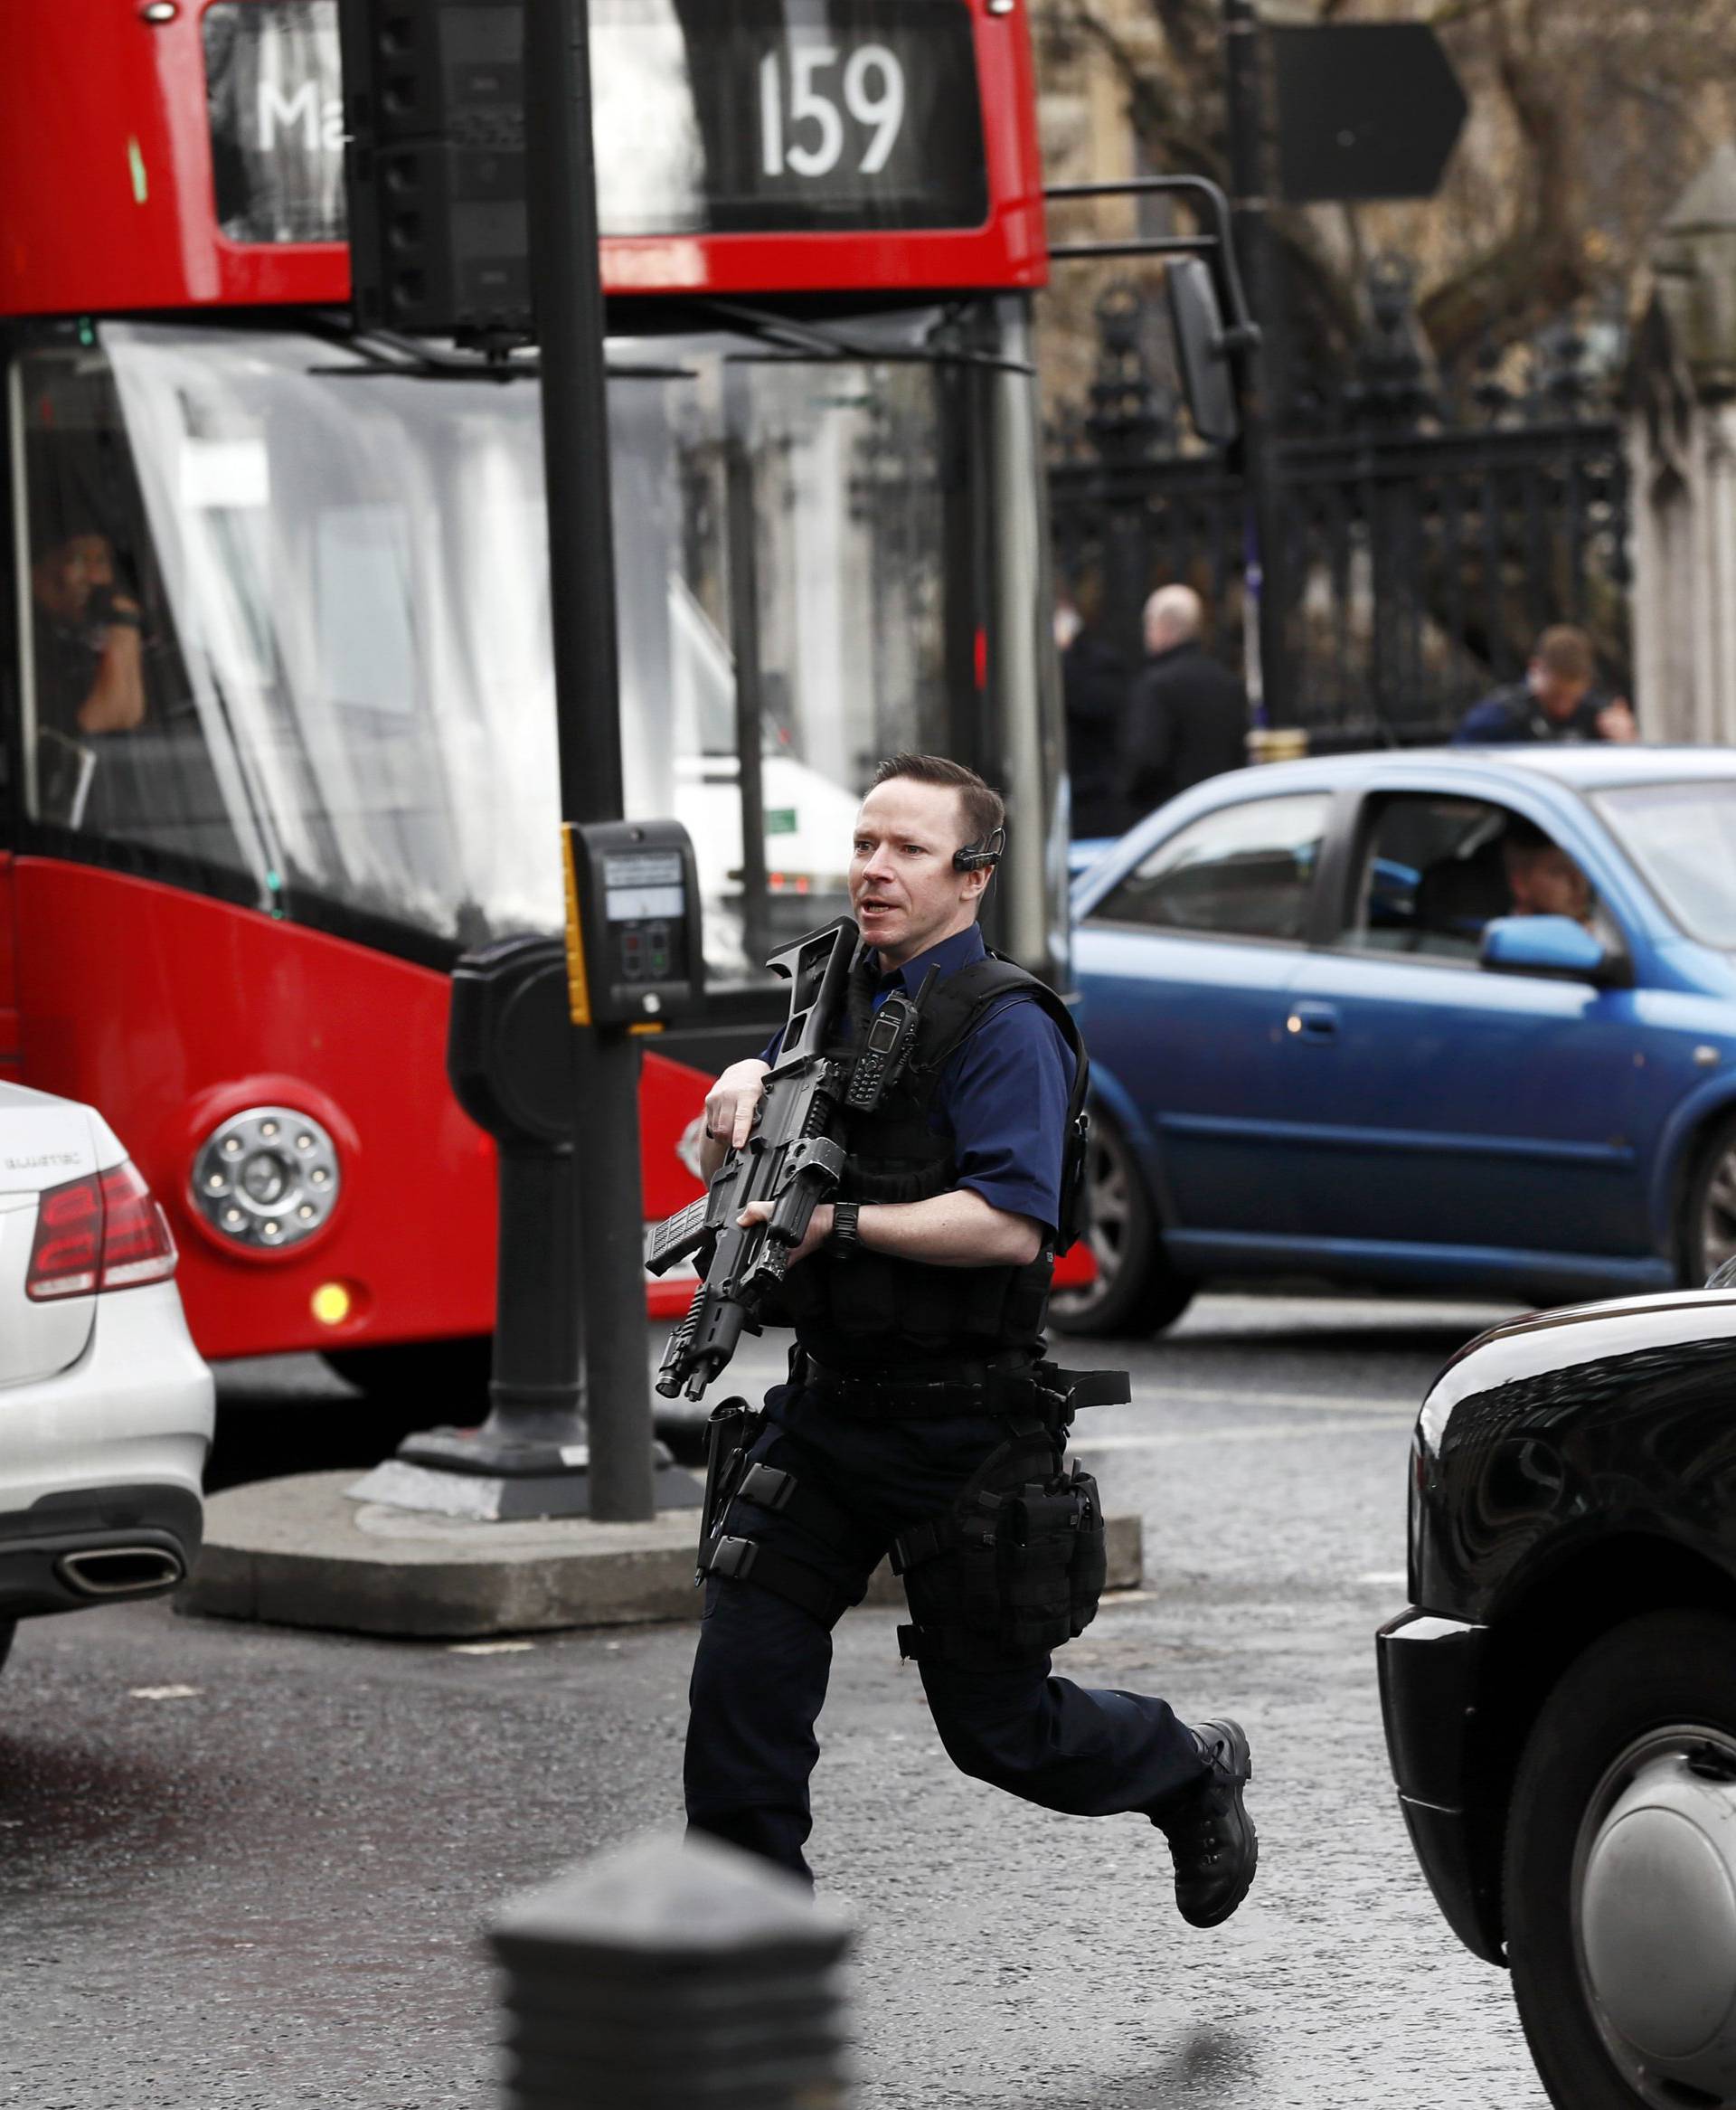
845,1239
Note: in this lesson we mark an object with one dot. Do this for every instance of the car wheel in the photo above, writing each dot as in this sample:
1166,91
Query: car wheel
1135,1290
450,1375
1708,1233
8,1628
1620,1871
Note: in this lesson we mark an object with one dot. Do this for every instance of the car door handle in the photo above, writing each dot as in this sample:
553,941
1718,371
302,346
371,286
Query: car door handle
1312,1022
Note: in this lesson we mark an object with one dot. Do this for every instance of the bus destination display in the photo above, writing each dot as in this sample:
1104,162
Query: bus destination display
712,117
792,116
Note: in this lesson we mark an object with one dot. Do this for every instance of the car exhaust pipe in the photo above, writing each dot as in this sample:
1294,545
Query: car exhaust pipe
121,1571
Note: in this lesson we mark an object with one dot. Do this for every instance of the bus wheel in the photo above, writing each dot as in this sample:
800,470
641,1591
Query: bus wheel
1135,1290
452,1376
8,1628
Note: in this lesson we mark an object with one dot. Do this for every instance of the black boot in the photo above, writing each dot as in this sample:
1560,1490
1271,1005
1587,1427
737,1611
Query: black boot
1211,1838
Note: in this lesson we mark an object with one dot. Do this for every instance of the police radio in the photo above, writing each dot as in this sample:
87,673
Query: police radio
885,1049
988,849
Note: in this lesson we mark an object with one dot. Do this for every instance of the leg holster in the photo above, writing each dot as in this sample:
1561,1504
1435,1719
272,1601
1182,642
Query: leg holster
1014,1568
737,1546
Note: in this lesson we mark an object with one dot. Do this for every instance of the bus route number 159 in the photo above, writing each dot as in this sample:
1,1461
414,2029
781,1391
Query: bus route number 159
871,87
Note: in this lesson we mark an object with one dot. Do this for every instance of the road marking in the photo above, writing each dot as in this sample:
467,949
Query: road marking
166,1692
1301,1401
1385,1579
1248,1433
489,1647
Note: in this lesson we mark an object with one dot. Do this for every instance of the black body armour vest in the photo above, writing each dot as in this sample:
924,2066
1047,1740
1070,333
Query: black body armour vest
873,1309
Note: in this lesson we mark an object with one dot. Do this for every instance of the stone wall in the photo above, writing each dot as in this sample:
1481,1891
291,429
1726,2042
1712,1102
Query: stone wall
1682,456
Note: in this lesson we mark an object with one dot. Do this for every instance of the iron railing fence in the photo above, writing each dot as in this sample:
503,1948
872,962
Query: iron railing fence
1428,536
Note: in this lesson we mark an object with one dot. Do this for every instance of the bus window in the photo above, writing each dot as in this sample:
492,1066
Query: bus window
108,736
851,607
343,708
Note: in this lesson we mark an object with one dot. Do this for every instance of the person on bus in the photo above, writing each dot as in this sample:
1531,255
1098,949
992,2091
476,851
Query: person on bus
87,643
919,1404
88,640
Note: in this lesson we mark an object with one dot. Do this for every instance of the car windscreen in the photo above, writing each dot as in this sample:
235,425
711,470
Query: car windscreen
1682,838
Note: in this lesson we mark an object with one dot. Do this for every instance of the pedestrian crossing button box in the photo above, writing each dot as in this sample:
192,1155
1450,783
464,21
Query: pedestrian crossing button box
634,950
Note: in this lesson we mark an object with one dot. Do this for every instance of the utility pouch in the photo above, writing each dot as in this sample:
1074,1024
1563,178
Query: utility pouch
730,1435
1014,1569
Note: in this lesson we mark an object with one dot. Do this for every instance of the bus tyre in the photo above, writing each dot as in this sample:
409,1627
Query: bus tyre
8,1628
1620,1892
1707,1234
450,1375
1135,1290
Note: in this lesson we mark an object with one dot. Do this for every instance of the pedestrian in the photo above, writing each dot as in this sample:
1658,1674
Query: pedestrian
1187,717
1556,700
920,1415
1094,681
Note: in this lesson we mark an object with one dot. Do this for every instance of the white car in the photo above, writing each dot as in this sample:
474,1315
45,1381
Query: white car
106,1409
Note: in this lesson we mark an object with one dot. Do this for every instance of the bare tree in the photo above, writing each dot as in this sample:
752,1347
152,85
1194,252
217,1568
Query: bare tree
1589,117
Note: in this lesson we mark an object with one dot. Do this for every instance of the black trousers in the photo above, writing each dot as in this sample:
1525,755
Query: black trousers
760,1670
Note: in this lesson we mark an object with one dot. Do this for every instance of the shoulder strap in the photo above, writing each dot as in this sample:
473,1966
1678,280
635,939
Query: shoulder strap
953,1011
956,1008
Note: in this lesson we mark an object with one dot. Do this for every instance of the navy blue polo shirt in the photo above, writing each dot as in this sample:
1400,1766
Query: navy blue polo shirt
1003,1095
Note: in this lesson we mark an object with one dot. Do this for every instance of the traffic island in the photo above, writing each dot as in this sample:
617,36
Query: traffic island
302,1552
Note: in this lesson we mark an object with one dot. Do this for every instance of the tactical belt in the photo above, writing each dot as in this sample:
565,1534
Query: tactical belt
894,1392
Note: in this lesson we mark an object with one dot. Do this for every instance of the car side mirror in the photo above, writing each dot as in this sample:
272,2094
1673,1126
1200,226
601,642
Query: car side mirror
1202,350
1549,945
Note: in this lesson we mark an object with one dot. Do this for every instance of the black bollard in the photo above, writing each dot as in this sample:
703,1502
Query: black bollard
669,1975
510,1059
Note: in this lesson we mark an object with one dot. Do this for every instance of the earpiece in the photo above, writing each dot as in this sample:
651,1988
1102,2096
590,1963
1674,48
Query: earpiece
975,855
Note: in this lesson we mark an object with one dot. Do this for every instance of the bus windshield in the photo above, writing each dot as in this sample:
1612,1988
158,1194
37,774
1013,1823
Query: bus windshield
287,620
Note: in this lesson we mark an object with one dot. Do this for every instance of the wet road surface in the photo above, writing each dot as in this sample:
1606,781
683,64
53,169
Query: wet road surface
243,1868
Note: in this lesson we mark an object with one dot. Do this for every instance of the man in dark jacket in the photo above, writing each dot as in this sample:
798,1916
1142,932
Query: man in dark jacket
1188,716
1094,681
1555,701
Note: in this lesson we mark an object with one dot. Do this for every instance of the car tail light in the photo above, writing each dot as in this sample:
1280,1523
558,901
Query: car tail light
104,1231
137,1243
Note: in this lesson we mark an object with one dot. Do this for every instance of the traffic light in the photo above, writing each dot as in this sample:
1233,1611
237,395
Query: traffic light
434,105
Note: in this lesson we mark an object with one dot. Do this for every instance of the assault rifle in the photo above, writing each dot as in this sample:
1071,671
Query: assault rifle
792,1160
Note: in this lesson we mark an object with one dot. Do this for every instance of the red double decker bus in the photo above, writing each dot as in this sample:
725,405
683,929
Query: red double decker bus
275,676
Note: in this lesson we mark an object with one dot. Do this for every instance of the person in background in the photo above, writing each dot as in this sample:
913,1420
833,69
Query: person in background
1188,716
1556,700
1542,878
1094,691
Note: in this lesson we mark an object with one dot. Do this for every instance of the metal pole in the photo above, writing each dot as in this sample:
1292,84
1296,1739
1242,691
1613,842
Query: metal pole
568,298
1268,669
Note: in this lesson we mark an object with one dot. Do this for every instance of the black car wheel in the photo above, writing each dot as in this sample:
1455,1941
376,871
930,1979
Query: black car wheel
8,1628
1135,1290
1708,1231
1620,1871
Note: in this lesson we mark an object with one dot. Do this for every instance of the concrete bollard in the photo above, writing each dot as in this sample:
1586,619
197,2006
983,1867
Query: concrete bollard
672,1972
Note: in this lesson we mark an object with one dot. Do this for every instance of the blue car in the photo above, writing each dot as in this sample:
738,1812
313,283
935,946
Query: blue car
1451,1019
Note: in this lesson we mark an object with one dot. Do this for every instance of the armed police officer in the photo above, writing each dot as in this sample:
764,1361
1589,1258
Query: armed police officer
920,1417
